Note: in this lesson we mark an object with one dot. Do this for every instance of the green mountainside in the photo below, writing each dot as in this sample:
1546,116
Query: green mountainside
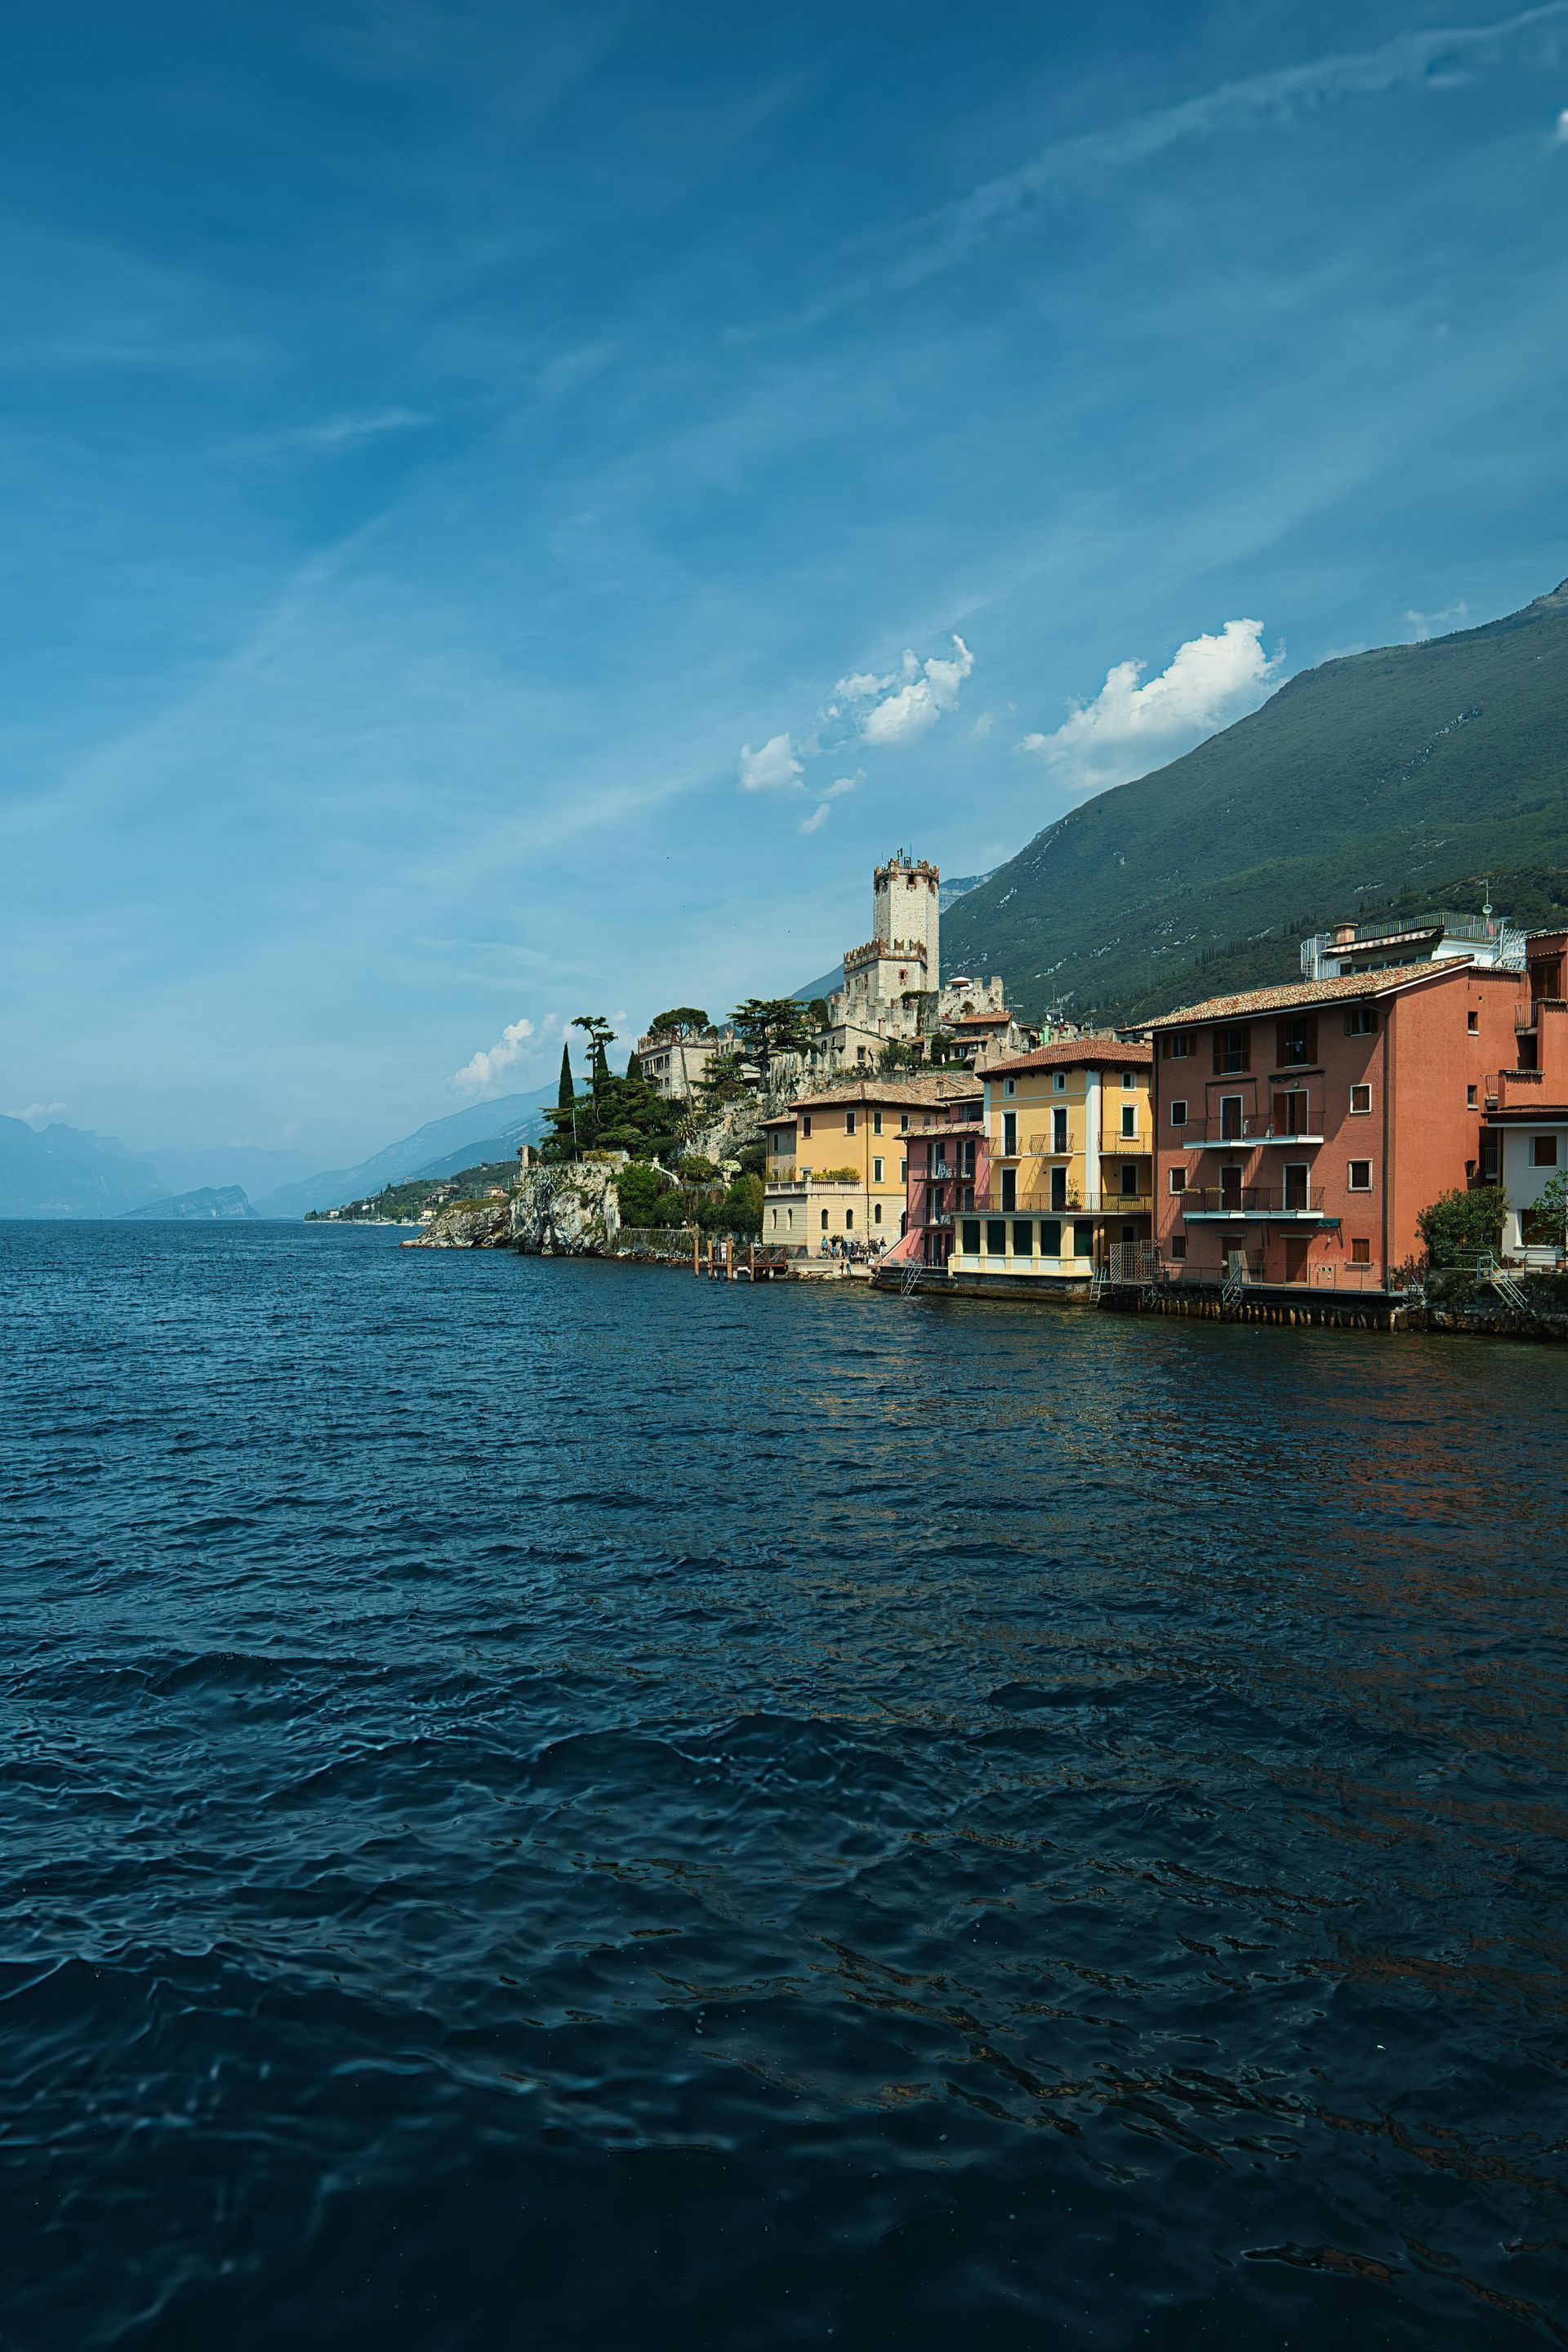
1403,777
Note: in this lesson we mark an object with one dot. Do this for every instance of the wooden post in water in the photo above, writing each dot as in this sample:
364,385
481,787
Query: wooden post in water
709,1261
730,1257
696,1250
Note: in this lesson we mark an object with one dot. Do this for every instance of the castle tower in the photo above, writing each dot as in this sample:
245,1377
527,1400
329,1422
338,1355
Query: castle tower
905,911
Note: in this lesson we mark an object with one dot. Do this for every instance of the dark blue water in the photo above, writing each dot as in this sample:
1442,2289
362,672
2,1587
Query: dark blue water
553,1804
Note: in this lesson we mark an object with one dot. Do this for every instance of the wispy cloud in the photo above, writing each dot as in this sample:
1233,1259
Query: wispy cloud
1129,728
39,1114
945,237
1433,624
333,432
824,809
1560,135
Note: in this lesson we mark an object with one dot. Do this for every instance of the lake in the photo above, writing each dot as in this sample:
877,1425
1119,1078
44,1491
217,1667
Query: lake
555,1805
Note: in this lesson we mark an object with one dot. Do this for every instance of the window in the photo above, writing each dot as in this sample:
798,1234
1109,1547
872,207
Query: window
1297,1039
1083,1238
1060,1081
1058,1188
1178,1114
1361,1252
1361,1021
1178,1179
1178,1246
848,1220
1009,1188
824,1221
1297,1178
805,1123
875,1172
1473,1022
877,1213
1230,1118
971,1236
1232,1051
1050,1237
1361,1100
1130,1179
1472,1098
1058,1130
1128,1118
1009,1134
1360,1176
876,1122
776,1218
903,1172
1177,1046
1129,1081
849,1122
1024,1237
1543,1151
903,1122
1290,1112
995,1237
1010,1086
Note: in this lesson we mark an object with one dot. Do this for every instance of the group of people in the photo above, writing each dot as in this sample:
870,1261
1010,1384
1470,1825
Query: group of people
850,1246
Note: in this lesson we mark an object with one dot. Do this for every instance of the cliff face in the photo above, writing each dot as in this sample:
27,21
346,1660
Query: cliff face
554,1212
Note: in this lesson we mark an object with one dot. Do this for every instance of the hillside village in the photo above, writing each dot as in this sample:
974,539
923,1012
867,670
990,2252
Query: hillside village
1319,1149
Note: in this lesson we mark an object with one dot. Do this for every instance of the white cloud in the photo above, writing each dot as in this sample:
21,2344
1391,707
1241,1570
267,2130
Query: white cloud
929,689
824,809
1129,728
772,768
482,1075
1432,624
39,1114
1560,136
983,725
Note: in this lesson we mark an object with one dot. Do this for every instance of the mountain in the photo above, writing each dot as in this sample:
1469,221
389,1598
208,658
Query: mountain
67,1171
207,1201
253,1166
489,1130
1404,777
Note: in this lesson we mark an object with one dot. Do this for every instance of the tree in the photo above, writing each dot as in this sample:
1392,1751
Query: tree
601,1037
566,1093
743,1205
1548,1220
722,1082
819,1013
1459,1226
648,1197
685,1021
771,1026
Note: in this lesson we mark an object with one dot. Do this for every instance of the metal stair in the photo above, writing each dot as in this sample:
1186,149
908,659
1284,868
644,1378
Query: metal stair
1507,1289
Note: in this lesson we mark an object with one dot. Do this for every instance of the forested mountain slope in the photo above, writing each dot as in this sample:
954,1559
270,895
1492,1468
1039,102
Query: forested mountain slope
1402,776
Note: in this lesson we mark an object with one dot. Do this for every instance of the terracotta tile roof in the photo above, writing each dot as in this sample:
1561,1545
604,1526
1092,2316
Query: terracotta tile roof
1067,1051
1299,993
979,1020
902,1094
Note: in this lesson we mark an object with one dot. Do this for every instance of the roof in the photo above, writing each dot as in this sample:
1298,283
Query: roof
902,1094
1067,1051
979,1020
1301,994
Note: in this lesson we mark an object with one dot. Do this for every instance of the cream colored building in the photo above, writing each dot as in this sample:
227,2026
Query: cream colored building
836,1169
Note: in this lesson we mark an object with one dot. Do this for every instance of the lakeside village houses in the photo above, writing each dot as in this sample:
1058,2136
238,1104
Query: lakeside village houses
1286,1138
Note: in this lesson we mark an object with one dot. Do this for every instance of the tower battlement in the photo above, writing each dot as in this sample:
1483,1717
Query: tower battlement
906,909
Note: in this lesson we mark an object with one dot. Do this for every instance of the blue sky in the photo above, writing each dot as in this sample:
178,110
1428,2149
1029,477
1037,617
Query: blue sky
511,512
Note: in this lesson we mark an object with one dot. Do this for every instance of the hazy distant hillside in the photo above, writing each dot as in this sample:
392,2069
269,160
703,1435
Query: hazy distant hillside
65,1171
491,1131
1408,774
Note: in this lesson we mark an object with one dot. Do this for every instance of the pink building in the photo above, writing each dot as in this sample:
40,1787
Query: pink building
1301,1130
949,1169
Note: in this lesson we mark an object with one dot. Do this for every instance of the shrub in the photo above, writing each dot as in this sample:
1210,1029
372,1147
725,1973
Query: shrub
648,1197
694,1170
1459,1225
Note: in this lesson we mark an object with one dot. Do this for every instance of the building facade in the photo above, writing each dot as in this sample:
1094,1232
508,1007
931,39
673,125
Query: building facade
1069,1158
1526,1142
949,1169
675,1064
836,1171
1300,1131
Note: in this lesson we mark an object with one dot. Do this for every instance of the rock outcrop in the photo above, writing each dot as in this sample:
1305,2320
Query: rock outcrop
553,1212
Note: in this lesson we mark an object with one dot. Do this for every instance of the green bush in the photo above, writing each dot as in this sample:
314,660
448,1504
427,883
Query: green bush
648,1197
694,1170
1459,1226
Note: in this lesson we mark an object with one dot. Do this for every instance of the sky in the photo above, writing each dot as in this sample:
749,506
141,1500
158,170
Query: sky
512,512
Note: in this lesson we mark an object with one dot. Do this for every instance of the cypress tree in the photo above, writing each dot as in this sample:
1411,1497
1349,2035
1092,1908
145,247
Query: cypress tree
566,1094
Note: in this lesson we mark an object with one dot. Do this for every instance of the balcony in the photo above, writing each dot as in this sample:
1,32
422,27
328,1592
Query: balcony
1252,1203
1212,1134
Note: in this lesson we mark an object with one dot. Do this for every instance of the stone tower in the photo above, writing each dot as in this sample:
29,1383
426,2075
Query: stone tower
905,911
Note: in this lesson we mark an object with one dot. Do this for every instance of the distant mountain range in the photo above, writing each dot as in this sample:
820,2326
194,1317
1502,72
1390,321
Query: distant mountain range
1401,778
491,1131
208,1201
68,1171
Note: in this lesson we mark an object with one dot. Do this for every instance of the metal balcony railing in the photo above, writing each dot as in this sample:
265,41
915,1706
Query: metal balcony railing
1251,1201
1208,1135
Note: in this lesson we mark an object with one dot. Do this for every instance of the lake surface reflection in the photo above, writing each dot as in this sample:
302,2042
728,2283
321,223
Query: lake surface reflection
555,1804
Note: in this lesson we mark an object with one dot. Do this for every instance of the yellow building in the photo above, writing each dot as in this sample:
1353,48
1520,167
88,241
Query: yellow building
1070,1149
836,1167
